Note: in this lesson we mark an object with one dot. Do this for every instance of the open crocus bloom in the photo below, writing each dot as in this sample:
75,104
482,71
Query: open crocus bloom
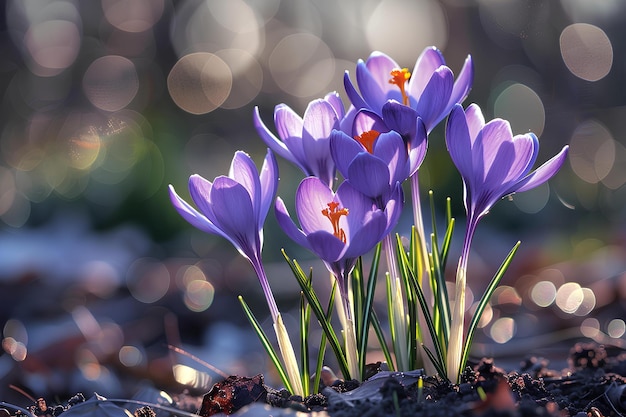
304,140
492,162
430,89
338,227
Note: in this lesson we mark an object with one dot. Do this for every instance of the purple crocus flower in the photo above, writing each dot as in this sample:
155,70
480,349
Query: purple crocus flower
338,227
377,158
430,89
304,140
493,163
235,207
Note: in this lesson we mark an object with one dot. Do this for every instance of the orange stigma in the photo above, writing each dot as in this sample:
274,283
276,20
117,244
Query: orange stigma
399,77
367,139
334,214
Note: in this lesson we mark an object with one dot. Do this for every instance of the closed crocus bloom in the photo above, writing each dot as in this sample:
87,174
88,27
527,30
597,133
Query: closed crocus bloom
493,163
304,141
235,207
430,88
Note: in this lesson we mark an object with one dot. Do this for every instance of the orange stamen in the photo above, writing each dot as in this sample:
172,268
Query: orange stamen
399,77
367,139
334,214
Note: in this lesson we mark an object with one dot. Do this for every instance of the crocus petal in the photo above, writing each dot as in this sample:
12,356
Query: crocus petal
192,216
313,196
234,214
434,100
355,201
326,245
287,224
243,171
393,209
289,126
343,150
353,95
319,120
371,90
272,141
459,142
474,119
368,235
335,100
543,173
390,148
429,60
200,191
417,147
400,118
463,83
494,134
369,175
366,120
379,67
269,184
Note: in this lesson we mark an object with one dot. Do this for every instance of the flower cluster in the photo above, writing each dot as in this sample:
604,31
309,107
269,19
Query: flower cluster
373,147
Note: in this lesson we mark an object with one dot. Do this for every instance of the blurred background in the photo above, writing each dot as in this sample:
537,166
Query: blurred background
106,102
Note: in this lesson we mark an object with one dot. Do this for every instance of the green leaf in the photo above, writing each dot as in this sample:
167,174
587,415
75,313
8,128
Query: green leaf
441,297
322,349
305,319
319,313
381,339
483,303
426,312
266,344
367,309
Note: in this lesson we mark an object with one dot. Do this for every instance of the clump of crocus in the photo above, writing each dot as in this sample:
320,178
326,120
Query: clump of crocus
493,164
235,207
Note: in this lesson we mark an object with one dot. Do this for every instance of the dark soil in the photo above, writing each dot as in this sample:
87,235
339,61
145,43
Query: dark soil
592,386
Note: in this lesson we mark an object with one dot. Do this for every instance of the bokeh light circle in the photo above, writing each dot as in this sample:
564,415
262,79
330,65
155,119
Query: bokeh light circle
533,201
148,280
590,327
394,24
586,51
569,297
522,107
200,82
302,65
53,45
213,25
592,151
616,328
111,82
502,330
133,15
543,293
247,77
199,295
130,356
